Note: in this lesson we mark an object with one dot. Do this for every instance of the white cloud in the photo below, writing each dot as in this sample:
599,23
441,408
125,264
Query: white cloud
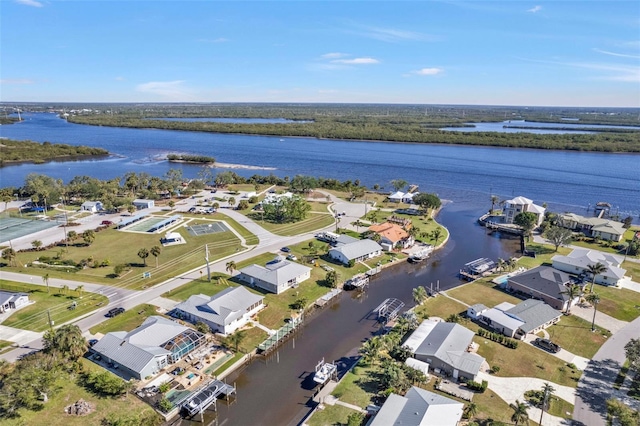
535,9
621,55
333,55
174,90
32,3
356,61
428,71
16,81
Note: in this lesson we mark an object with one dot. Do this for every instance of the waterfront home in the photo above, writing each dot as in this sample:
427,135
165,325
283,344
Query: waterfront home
392,236
402,197
604,229
276,276
144,351
527,317
355,251
519,205
143,204
418,407
396,197
92,206
224,312
10,300
444,346
543,282
578,261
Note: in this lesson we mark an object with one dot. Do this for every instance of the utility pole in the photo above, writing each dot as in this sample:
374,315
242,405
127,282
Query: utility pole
50,322
206,257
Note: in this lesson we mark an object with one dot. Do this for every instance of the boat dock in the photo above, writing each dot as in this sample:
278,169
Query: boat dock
360,281
388,310
477,269
202,398
280,335
322,301
324,372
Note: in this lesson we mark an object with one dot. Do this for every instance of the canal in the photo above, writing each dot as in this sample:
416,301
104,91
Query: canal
276,390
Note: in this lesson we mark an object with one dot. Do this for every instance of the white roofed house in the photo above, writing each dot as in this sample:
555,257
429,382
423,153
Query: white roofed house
224,312
596,227
355,251
10,300
418,407
276,276
92,206
396,197
519,205
578,261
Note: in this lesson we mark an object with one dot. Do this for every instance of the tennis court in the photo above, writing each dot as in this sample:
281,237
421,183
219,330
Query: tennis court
144,225
15,227
206,228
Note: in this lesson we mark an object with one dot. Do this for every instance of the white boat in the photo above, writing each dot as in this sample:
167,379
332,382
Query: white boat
324,372
420,255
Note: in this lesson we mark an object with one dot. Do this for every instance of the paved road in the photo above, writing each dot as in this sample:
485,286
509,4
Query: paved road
595,385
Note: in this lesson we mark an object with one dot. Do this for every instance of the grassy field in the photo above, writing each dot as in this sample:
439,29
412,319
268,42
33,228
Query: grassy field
620,303
127,320
531,362
252,338
482,291
441,306
358,387
574,334
314,221
116,247
544,253
330,415
34,317
69,392
201,286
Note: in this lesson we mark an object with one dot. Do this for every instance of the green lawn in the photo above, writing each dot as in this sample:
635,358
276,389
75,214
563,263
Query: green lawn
252,338
330,415
441,306
358,387
531,362
69,392
574,334
56,303
201,286
482,291
314,221
620,303
126,321
544,253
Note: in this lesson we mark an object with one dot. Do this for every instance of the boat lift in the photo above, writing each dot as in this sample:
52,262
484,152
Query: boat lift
201,399
388,310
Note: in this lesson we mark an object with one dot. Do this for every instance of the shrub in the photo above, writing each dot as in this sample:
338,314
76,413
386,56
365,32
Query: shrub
495,369
165,405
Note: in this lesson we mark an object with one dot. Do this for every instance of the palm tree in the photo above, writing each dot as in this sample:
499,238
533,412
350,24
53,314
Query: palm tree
237,338
419,295
502,264
65,289
547,390
155,252
594,299
572,291
80,290
370,350
66,340
436,234
231,201
231,266
494,201
512,263
595,270
143,253
9,255
470,410
520,414
45,279
36,244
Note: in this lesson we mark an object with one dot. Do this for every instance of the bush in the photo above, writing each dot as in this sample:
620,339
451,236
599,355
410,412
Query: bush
477,387
495,369
165,405
105,383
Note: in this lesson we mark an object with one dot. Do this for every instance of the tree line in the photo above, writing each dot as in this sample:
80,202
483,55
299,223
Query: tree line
14,151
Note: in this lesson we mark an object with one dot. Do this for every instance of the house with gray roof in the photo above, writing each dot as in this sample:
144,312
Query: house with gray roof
92,206
605,229
543,282
276,276
355,251
10,300
444,346
146,350
578,261
224,312
528,316
517,205
418,407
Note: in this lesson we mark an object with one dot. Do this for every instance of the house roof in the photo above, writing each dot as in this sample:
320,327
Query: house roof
447,342
592,221
276,273
500,317
478,307
343,239
520,201
582,258
91,203
222,308
358,248
545,280
390,231
416,364
9,296
610,227
417,408
534,208
533,313
397,194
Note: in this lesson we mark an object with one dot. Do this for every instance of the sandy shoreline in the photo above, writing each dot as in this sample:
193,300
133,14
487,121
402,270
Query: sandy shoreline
217,165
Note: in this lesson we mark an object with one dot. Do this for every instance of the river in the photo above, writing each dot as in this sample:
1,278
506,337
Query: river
565,180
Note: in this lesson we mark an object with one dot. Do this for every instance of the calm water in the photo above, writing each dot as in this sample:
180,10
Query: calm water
565,180
232,120
535,127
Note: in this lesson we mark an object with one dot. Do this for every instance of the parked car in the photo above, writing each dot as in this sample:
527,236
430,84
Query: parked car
93,342
547,345
114,312
106,222
285,249
292,257
191,210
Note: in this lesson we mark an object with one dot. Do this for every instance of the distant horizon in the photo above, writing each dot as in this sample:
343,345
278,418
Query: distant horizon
537,53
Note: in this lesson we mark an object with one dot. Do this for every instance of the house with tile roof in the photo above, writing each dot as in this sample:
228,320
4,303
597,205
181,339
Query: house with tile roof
543,282
444,346
224,312
144,351
578,261
392,236
418,407
276,276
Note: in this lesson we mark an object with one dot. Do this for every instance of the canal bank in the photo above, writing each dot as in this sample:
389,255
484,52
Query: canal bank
278,390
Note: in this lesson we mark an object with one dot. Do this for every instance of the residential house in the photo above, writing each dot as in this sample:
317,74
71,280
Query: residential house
143,204
224,312
144,351
579,260
474,311
10,300
596,227
396,197
527,317
392,236
418,407
92,206
444,346
355,251
542,282
519,205
276,276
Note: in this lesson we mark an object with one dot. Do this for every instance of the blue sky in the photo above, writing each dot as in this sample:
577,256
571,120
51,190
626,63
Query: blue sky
556,53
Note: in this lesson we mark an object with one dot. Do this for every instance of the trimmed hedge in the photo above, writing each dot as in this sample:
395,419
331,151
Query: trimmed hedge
497,337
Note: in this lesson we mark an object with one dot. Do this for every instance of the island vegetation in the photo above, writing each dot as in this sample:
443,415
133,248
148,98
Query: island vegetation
186,158
14,151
